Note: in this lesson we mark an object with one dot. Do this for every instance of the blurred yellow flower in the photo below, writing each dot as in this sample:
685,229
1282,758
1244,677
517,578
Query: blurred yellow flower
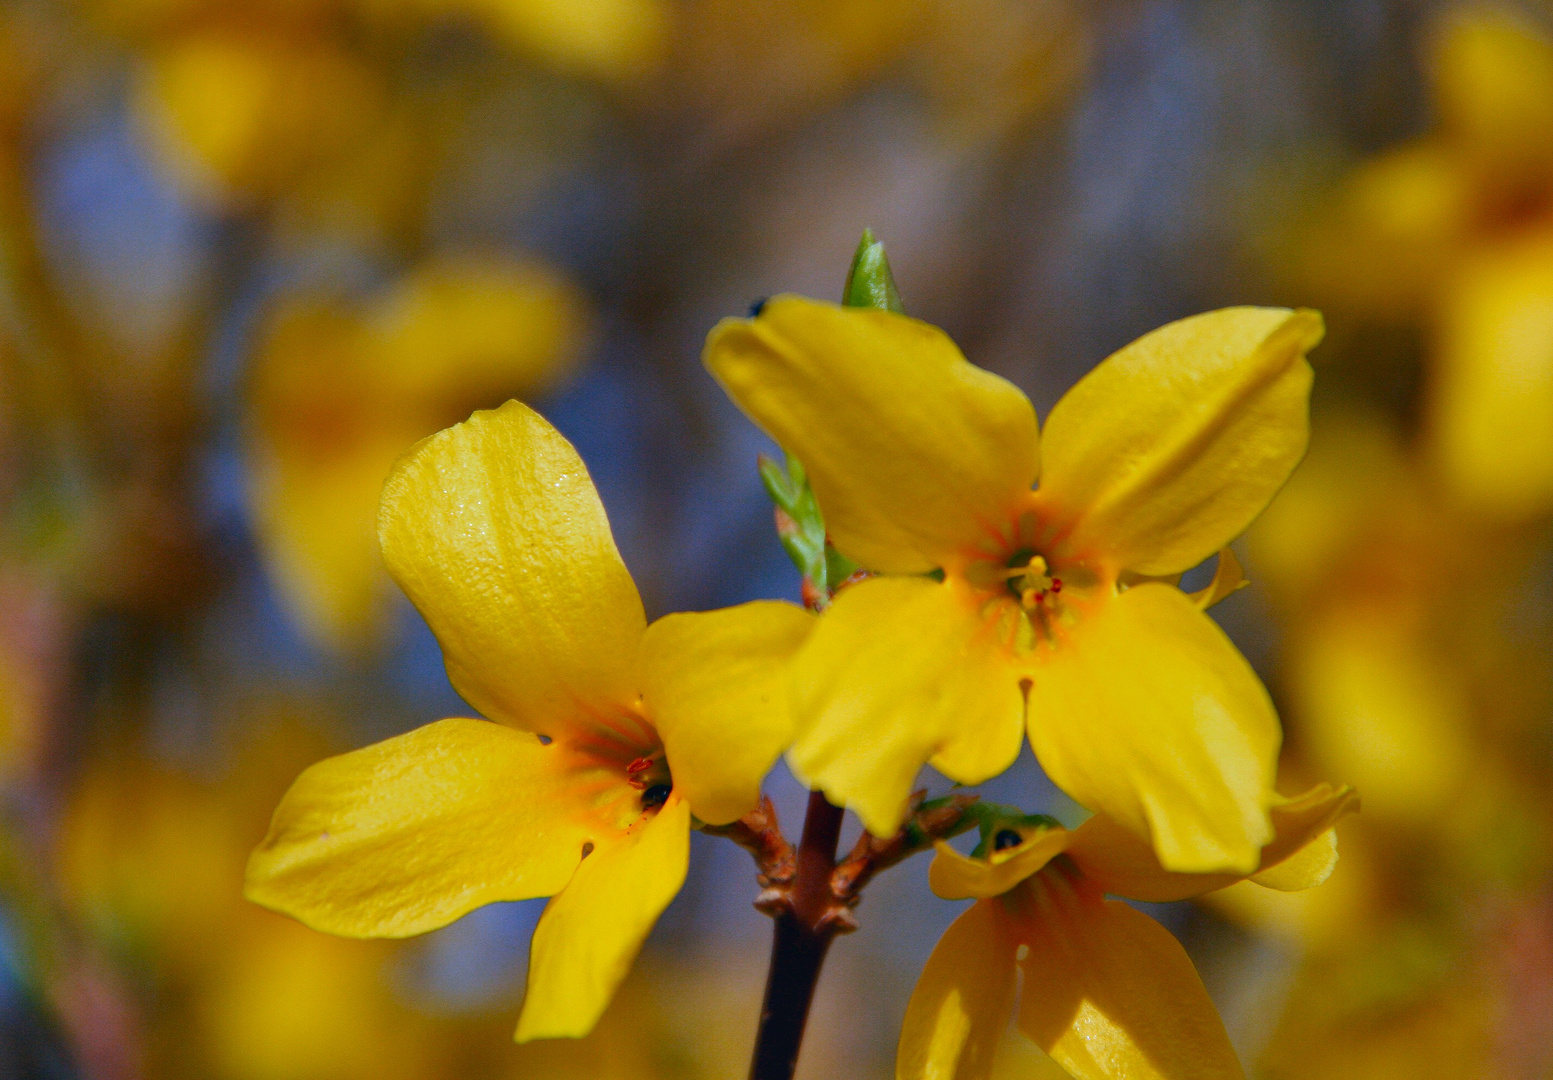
1456,228
1107,992
1392,1004
288,1004
1060,602
1415,691
616,40
239,111
1403,219
1351,551
338,394
986,66
150,861
610,732
1491,400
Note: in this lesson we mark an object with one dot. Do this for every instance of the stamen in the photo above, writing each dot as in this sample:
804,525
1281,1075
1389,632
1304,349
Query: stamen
640,765
1030,581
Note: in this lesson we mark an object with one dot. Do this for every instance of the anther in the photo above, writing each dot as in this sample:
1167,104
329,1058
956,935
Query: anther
1005,839
656,796
641,764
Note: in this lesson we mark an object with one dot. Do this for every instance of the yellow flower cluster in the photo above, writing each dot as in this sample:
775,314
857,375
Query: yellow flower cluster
1017,584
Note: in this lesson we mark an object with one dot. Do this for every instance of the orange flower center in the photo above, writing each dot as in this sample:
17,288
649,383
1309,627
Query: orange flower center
1027,595
621,758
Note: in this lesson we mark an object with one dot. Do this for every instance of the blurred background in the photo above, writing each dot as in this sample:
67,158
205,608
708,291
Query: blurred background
252,250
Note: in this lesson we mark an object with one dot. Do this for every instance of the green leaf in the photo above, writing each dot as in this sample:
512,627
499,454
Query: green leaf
800,526
870,284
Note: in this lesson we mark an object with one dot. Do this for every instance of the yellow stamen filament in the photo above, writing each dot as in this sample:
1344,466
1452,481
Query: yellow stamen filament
1033,581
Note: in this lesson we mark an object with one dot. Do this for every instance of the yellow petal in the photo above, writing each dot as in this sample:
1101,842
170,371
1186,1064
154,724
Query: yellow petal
241,113
1305,869
494,530
618,40
714,684
1168,449
320,441
1356,482
407,835
1146,712
957,877
1117,861
1492,398
914,453
1493,85
900,671
316,520
477,328
1109,993
591,932
1228,577
1378,708
962,1001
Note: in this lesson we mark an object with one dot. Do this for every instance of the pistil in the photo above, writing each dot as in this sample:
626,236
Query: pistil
1032,582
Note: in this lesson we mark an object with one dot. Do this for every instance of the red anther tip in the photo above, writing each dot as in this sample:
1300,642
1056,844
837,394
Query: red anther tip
641,764
639,785
1056,584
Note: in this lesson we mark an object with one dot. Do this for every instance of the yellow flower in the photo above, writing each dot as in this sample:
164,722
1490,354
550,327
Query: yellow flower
1107,991
616,40
239,113
146,859
610,733
339,394
1403,219
1491,392
1456,228
1374,650
1058,603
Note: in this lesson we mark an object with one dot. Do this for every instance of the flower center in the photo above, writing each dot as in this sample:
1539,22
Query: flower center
650,776
1030,580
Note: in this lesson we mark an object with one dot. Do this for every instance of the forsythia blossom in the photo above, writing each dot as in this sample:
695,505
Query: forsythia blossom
1000,607
1107,991
609,734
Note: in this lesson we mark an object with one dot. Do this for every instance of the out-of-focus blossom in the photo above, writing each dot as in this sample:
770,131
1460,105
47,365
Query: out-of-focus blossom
923,465
1455,229
249,101
985,66
1418,694
1379,660
611,732
239,112
340,391
150,860
1402,220
1492,392
615,40
1106,990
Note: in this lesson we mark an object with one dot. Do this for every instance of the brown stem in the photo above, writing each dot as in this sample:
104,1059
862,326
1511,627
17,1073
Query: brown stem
930,822
776,863
802,935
